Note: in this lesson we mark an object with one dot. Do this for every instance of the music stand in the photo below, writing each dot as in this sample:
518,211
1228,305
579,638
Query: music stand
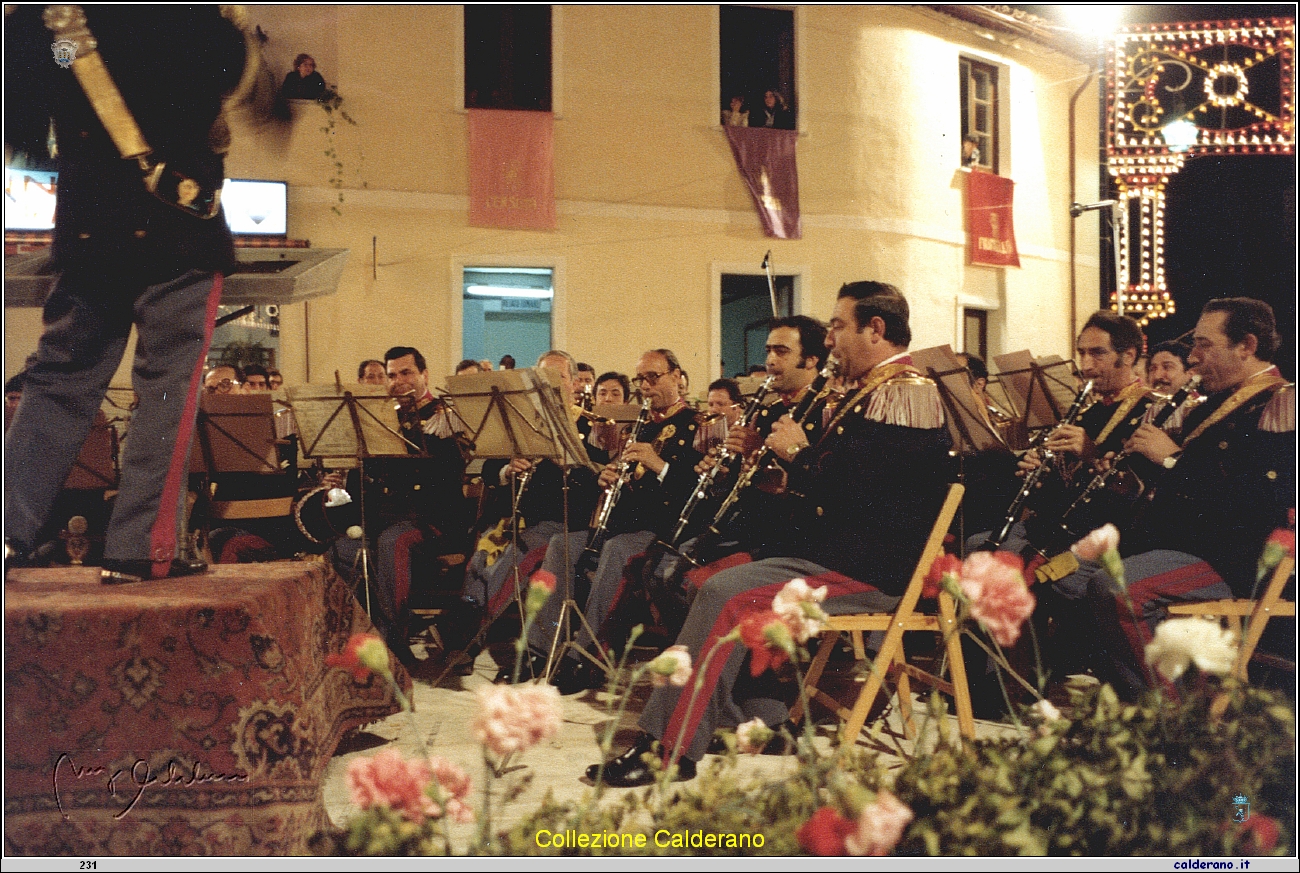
523,414
342,427
234,433
968,426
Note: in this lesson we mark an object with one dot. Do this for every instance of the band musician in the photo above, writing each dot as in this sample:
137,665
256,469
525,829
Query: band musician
873,483
1221,492
658,469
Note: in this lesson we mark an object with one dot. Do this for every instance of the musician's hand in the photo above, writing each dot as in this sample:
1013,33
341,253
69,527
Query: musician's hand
1102,464
334,479
1028,462
519,465
1151,442
609,475
1070,438
644,454
743,440
786,438
707,463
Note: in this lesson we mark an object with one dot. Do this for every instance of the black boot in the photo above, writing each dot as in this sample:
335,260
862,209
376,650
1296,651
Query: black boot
629,770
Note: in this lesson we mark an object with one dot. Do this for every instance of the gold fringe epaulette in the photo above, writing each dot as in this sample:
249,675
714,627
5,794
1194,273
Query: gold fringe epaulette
1278,415
907,400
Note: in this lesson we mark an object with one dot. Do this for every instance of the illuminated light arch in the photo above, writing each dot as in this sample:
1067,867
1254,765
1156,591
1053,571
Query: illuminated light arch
1233,81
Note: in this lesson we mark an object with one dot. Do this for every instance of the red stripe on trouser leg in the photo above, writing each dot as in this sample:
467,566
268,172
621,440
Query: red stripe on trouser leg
402,570
162,539
506,593
1176,583
735,610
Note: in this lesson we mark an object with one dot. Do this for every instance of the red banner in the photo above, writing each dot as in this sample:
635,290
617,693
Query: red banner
511,169
765,158
990,233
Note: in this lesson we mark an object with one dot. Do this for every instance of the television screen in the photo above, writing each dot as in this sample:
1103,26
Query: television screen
29,199
252,206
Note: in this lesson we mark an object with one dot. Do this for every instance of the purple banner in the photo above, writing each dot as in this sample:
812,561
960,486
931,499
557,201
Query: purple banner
765,158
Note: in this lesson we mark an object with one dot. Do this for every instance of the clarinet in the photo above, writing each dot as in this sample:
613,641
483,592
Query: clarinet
1102,479
704,487
799,413
590,556
1035,476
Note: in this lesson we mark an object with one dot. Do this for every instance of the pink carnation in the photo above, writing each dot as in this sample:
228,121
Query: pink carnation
388,779
455,785
1104,539
512,718
999,598
672,667
880,826
799,607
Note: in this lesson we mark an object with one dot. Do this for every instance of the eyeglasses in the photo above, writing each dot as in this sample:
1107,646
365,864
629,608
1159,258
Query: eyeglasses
225,386
650,379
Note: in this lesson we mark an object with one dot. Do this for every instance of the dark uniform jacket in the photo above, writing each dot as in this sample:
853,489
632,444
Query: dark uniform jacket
648,504
1113,505
875,481
172,65
1231,487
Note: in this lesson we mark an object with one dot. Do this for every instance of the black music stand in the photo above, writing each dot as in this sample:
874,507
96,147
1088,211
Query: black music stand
234,434
523,414
968,426
343,427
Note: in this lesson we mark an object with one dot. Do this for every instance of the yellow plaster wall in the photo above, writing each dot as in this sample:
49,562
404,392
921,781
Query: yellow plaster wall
650,201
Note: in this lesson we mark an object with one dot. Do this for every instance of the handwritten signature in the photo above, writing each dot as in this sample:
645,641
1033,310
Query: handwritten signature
133,780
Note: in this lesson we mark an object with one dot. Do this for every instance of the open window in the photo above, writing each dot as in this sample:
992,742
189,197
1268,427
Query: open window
508,57
757,67
979,114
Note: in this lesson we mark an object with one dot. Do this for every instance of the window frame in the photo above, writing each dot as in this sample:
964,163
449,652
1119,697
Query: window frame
968,104
557,78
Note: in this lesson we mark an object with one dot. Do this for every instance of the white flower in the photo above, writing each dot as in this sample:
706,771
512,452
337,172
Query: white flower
672,667
752,736
1045,711
1104,539
799,608
1200,641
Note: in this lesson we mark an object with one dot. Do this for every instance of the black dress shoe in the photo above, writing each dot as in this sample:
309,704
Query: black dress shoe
574,677
532,666
117,572
629,770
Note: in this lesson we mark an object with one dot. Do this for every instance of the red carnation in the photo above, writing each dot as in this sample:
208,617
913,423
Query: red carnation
364,654
945,564
824,834
768,639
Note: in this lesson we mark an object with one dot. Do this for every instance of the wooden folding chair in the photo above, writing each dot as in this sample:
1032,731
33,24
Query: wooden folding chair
1269,605
904,619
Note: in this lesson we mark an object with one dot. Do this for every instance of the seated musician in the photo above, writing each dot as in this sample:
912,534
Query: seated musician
873,483
659,476
415,508
1223,489
1107,348
541,511
759,520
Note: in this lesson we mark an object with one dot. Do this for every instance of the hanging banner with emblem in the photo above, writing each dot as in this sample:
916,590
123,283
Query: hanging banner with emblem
765,158
511,169
990,234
